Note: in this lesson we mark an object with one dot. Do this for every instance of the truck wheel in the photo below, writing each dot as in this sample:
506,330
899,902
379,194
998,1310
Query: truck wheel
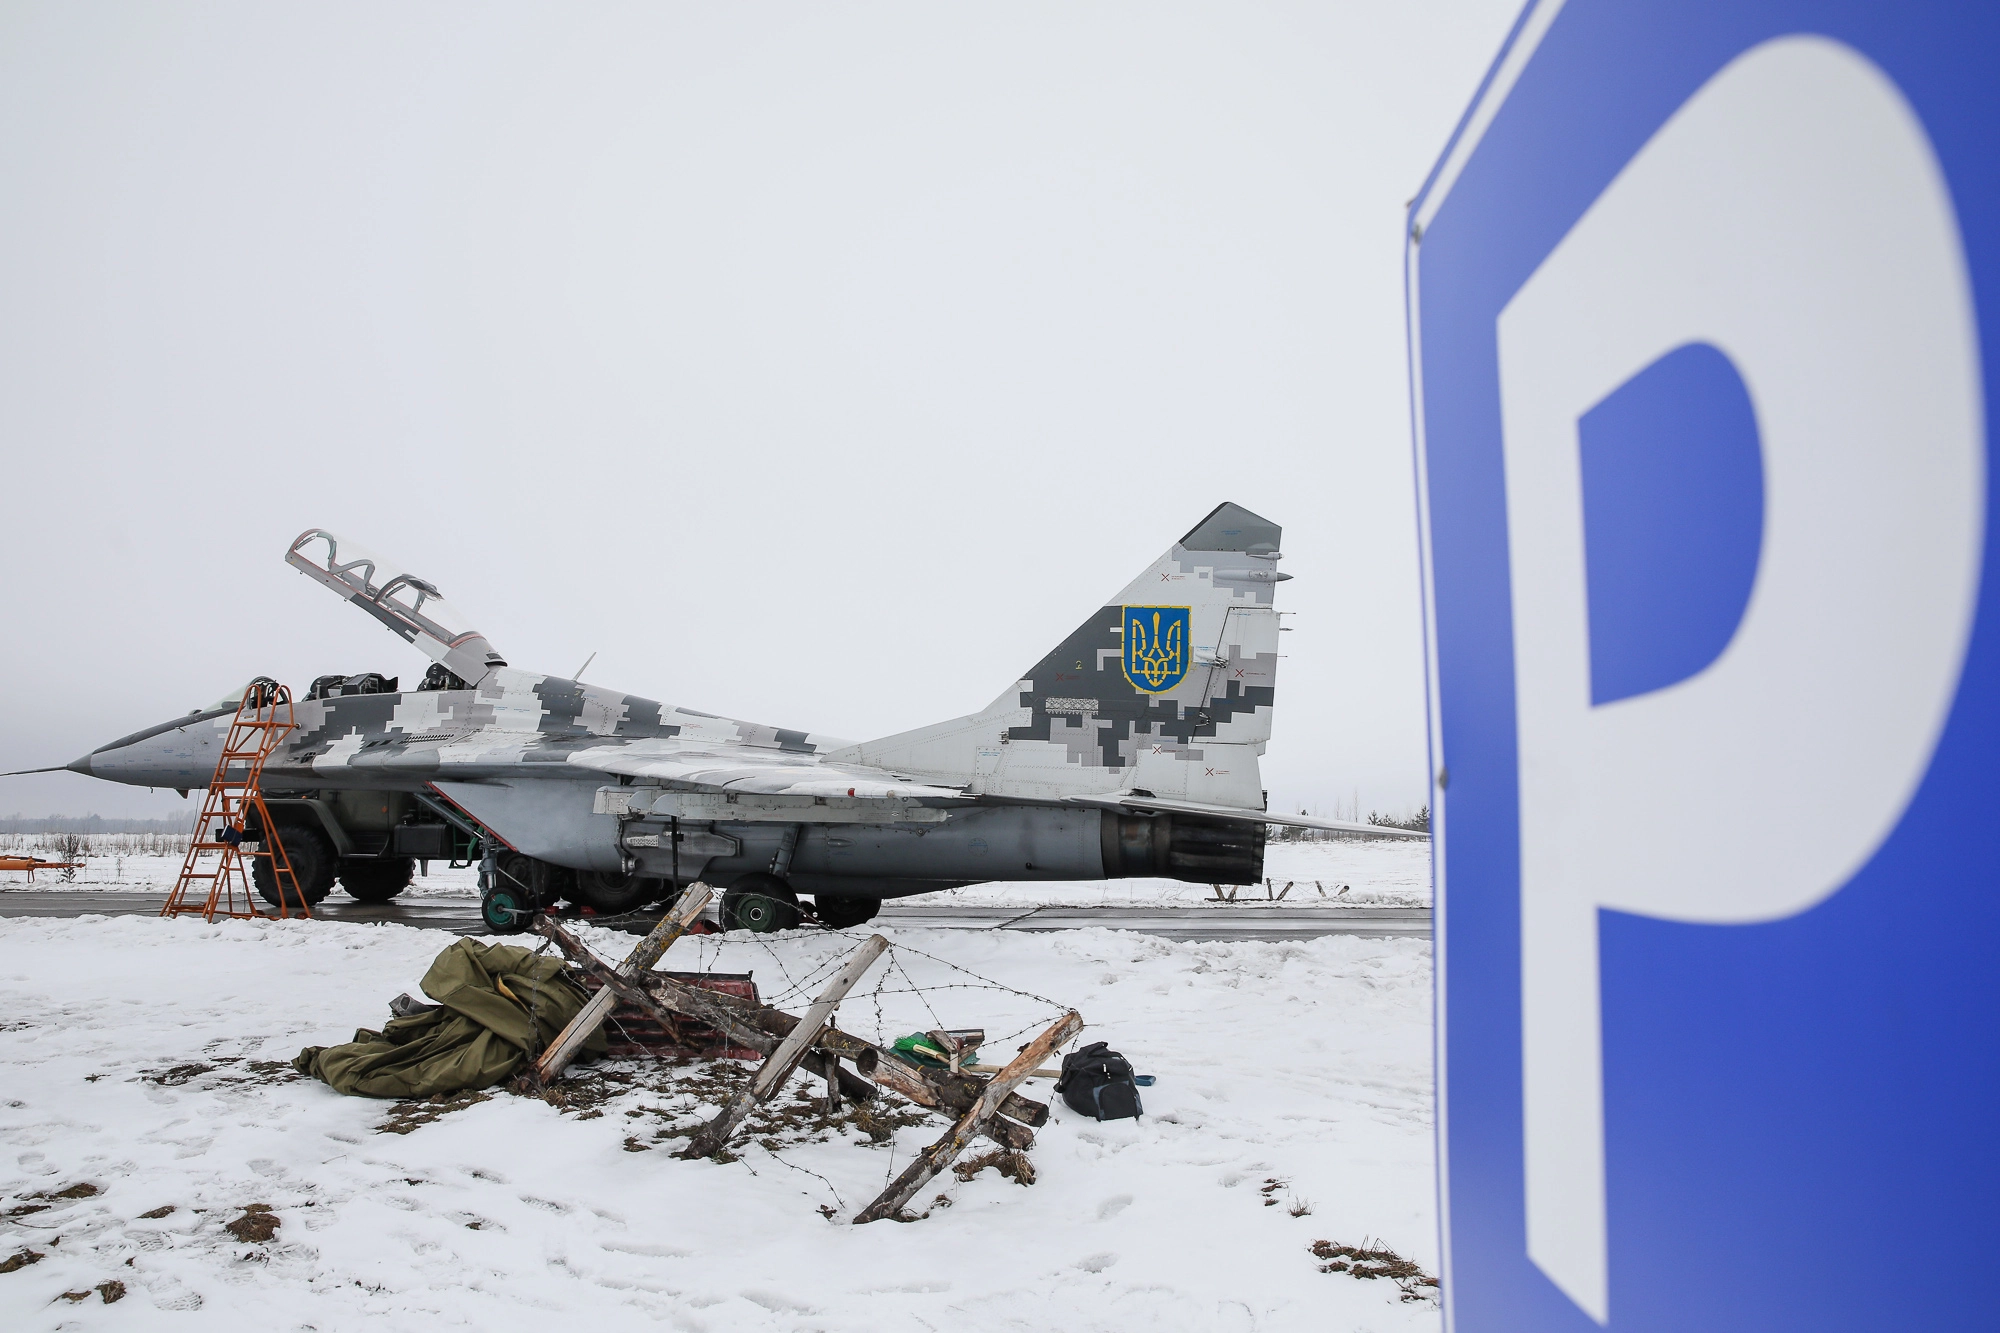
534,883
760,903
607,893
377,881
313,864
844,913
506,910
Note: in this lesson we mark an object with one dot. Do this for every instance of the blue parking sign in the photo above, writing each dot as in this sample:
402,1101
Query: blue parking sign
1702,308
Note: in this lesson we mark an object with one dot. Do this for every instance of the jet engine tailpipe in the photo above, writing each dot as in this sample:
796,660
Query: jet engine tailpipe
1199,848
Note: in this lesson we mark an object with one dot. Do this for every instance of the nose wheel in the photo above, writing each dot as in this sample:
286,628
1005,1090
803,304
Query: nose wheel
506,910
514,891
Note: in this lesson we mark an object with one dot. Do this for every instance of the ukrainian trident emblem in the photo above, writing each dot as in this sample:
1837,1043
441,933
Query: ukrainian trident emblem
1156,646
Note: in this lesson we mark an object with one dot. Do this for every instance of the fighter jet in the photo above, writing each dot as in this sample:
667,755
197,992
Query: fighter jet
1130,749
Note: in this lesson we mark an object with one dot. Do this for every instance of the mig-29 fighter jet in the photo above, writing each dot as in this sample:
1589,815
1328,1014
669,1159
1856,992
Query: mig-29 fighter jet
1131,748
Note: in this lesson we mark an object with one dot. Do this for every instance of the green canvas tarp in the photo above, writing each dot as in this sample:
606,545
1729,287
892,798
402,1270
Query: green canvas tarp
502,1006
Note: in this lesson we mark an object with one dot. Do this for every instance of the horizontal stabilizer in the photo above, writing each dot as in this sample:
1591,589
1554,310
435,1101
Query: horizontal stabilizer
1150,803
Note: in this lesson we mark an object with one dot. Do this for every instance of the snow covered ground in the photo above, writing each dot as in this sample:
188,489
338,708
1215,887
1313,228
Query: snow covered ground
137,874
144,1059
1380,873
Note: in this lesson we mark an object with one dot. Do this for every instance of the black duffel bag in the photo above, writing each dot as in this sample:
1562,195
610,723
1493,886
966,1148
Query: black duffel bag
1097,1081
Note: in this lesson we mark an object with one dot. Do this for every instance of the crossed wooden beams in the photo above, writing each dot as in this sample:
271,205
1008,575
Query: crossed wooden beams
672,926
778,1066
989,1107
941,1154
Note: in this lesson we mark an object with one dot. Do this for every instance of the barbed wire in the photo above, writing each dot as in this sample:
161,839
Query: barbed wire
782,1161
796,986
896,961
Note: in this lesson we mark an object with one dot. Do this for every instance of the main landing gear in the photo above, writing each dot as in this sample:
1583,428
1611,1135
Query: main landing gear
521,886
764,903
760,904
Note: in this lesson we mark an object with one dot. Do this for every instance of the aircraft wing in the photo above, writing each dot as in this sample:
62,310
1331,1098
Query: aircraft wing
744,771
1123,801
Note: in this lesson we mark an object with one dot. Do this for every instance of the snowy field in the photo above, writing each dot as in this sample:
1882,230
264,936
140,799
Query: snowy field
138,874
1381,872
146,1104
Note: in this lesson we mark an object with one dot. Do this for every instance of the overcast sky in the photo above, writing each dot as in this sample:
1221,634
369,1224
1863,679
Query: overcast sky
819,365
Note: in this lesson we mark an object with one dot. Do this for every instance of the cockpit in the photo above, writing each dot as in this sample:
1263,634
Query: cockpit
436,677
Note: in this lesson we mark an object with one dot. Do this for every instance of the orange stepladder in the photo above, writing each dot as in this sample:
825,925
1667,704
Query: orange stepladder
234,794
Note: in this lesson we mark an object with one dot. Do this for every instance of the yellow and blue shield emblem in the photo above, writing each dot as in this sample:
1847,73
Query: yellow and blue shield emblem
1156,647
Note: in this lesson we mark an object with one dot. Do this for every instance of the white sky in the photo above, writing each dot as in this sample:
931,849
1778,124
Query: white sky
816,365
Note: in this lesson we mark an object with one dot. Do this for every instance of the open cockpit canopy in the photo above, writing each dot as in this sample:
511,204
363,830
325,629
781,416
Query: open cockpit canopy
411,607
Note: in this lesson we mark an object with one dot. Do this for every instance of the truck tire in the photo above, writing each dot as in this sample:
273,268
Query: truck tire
760,903
534,884
608,893
377,881
844,913
313,863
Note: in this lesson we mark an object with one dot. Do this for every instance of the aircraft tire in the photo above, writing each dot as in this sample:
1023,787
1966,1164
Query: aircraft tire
506,910
607,894
313,861
760,904
844,913
377,881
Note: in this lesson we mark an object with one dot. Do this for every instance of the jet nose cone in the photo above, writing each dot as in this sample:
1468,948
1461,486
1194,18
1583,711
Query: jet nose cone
80,766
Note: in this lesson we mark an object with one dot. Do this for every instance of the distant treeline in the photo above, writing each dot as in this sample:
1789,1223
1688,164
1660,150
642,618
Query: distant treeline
1420,822
90,824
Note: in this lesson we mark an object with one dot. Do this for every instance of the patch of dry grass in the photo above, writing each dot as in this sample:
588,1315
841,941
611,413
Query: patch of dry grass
257,1225
1012,1165
1366,1262
414,1112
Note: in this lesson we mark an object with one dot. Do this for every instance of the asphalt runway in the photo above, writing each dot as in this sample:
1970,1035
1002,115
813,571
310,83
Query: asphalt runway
460,915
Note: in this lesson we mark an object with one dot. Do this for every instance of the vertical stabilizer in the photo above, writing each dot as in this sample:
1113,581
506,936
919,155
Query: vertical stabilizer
1166,689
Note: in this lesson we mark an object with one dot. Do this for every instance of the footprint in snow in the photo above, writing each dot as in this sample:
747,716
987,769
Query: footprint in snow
1097,1263
778,1304
1111,1207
